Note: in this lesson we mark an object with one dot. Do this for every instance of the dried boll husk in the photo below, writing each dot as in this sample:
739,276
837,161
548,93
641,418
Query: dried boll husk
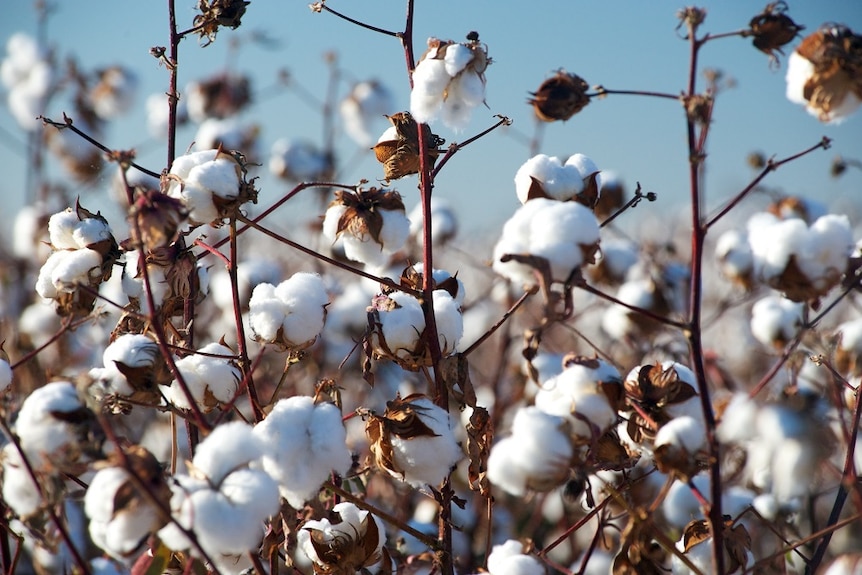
560,97
400,157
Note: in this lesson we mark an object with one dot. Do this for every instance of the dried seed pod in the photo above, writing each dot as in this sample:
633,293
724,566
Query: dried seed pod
560,97
772,29
400,155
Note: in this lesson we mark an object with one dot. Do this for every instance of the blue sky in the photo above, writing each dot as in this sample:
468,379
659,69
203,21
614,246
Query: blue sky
619,44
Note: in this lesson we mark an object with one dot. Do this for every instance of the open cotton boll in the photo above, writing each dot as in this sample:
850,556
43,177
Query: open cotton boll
20,491
368,101
429,81
400,325
305,444
210,380
354,542
45,422
450,323
291,314
61,230
737,420
119,532
76,267
426,460
558,182
828,249
297,160
683,433
775,320
575,395
566,234
536,456
508,558
734,255
681,506
229,446
130,350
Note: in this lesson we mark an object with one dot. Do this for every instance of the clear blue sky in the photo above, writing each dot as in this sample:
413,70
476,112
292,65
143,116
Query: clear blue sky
621,44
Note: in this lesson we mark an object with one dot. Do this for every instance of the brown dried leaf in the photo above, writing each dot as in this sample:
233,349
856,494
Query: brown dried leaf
697,531
537,190
455,371
480,434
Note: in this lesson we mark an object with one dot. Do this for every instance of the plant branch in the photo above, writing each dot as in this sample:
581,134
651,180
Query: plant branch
456,147
521,300
322,7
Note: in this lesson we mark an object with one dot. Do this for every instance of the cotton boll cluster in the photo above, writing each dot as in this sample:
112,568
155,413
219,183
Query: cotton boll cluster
414,441
565,235
804,262
121,516
211,183
290,315
84,253
305,442
536,456
775,320
27,75
372,224
298,161
133,368
449,81
367,101
352,543
510,558
444,222
548,177
114,92
226,499
823,76
211,376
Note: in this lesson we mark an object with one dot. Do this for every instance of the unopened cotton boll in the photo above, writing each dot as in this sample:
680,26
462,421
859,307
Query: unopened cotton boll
508,558
305,444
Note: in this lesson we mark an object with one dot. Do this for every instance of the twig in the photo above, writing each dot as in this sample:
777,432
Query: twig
530,292
456,147
322,7
649,196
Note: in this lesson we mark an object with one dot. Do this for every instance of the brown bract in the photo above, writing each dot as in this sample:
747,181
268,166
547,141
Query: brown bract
649,393
588,196
401,419
737,541
129,498
362,215
560,97
216,13
772,29
400,157
155,219
835,53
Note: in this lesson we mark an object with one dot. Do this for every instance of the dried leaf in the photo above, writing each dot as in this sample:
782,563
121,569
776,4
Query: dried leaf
480,435
455,372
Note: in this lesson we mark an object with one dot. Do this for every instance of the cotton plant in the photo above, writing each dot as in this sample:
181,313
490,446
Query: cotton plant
414,441
28,77
290,315
449,81
366,102
558,236
305,443
536,456
371,224
224,500
121,516
84,252
549,177
211,183
211,377
822,74
352,541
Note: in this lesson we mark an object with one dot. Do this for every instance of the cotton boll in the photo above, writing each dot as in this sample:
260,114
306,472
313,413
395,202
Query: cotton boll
221,176
305,443
229,446
401,323
297,160
20,492
734,255
367,101
450,323
775,320
44,424
426,460
799,69
429,81
509,559
211,380
356,540
536,456
737,420
75,267
114,93
826,254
